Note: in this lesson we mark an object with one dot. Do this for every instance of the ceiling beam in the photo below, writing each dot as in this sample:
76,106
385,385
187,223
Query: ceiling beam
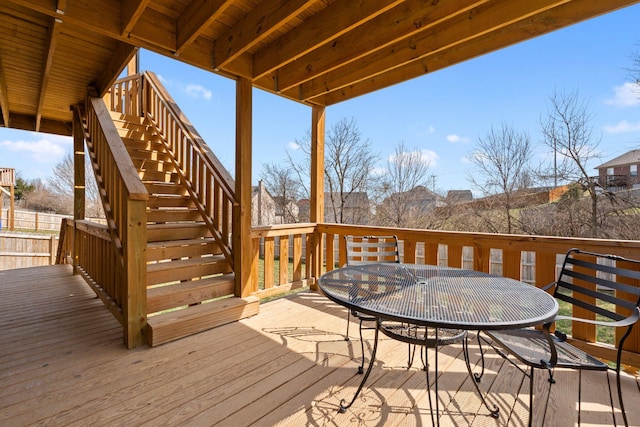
25,122
402,22
52,40
118,61
131,12
268,17
456,31
4,97
327,25
563,15
196,18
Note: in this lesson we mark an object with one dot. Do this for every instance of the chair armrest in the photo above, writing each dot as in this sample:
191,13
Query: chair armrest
630,320
549,286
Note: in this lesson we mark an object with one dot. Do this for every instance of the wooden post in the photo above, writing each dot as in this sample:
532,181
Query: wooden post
316,212
11,217
135,308
78,182
242,253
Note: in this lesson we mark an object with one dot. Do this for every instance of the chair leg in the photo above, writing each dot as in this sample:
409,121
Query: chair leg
624,414
531,380
346,337
478,377
361,367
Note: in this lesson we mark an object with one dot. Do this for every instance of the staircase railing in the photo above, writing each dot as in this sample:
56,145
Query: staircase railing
209,184
124,199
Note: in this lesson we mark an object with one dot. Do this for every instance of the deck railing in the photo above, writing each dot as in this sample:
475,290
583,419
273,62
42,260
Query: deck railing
124,199
534,259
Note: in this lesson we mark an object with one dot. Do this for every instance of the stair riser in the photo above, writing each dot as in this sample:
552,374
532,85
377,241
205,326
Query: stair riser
169,202
160,188
162,253
180,298
149,175
187,273
176,234
176,216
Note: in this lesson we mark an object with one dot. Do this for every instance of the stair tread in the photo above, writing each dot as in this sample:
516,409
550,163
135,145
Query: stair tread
183,242
192,284
169,225
184,263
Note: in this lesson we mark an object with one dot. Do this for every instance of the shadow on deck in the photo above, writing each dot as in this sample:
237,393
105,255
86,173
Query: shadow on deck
62,362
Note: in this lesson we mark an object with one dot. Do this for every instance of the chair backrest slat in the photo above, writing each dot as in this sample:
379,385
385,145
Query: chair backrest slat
587,283
372,249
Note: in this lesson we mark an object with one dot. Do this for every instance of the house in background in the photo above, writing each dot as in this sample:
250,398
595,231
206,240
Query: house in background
356,209
459,196
620,173
263,206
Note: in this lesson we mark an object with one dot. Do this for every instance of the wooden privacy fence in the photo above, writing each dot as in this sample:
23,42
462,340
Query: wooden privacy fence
21,250
29,220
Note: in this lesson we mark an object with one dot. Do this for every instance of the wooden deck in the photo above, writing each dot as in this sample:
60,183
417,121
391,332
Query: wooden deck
62,362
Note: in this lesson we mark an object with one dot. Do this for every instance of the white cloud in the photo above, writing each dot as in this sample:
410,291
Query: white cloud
293,145
44,150
622,127
454,139
627,95
197,91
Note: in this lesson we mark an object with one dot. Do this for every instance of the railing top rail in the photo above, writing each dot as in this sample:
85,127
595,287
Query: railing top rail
134,186
226,180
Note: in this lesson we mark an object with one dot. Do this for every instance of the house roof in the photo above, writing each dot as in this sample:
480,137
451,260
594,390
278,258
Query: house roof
318,52
629,158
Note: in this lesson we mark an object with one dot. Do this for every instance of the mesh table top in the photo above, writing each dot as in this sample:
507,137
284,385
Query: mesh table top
439,296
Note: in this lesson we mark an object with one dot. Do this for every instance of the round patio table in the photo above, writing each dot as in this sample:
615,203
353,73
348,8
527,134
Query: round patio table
436,297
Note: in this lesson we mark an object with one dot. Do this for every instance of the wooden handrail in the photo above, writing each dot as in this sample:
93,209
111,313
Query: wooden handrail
207,181
124,199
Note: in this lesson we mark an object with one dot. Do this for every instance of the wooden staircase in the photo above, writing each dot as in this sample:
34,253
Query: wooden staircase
190,284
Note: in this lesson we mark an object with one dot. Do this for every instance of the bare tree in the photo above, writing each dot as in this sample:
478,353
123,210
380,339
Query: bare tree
282,184
501,162
404,198
61,184
567,131
348,165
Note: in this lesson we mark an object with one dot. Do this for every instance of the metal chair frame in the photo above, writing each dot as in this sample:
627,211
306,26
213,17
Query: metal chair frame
583,282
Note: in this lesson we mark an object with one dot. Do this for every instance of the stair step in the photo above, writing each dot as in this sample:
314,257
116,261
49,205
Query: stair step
169,201
149,155
149,175
152,165
188,293
164,188
128,118
148,143
176,231
173,215
177,249
186,269
177,324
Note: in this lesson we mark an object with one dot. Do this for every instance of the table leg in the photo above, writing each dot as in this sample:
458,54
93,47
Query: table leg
465,350
343,407
436,421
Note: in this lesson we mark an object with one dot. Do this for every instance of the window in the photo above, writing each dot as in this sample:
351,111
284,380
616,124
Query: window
633,170
609,171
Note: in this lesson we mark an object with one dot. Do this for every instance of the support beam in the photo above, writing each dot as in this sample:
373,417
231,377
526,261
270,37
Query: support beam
330,23
52,41
119,60
242,210
486,19
195,19
23,122
131,12
316,208
399,24
4,97
78,167
257,25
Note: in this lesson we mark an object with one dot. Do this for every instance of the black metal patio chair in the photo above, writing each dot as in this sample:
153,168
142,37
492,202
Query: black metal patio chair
596,287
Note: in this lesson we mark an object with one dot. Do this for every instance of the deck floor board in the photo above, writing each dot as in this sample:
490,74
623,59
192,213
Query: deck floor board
63,362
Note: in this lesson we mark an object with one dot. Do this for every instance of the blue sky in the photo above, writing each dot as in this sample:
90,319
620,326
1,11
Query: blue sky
442,114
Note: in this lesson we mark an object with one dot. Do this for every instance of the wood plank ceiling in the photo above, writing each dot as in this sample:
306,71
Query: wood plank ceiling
312,51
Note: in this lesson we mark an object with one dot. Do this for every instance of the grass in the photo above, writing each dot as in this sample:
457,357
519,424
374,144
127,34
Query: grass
604,334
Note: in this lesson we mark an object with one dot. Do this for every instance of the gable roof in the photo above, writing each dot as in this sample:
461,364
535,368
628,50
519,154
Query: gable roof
629,158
